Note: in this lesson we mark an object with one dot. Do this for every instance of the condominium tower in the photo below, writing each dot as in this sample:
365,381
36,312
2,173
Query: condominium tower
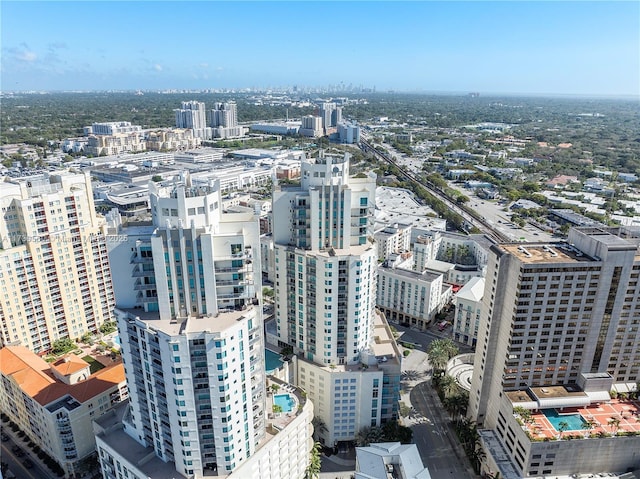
192,115
325,264
193,349
559,328
54,267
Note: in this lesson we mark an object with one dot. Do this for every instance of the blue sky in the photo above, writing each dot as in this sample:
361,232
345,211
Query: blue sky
491,47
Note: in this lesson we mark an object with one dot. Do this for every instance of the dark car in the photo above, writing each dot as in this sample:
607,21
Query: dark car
27,463
4,437
17,451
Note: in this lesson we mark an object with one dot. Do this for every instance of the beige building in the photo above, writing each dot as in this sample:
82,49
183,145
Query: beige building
115,144
559,330
55,403
172,139
54,268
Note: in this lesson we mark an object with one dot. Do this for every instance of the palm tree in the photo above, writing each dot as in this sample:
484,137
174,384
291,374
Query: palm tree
562,427
313,469
477,456
440,351
448,386
368,435
614,422
588,425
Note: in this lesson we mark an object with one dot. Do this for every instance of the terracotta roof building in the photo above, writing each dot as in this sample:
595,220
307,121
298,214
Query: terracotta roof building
55,403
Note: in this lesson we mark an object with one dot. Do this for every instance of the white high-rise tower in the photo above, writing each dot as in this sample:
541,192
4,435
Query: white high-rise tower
194,353
325,263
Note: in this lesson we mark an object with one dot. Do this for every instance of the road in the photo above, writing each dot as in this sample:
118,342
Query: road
437,444
470,219
15,463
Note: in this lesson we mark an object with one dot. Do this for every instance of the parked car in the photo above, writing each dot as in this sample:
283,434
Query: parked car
17,451
4,437
27,463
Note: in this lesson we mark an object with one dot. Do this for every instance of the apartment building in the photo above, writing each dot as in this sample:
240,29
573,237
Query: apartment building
192,115
560,329
116,144
392,239
223,119
55,403
54,266
193,343
325,278
468,304
311,126
407,296
172,139
112,128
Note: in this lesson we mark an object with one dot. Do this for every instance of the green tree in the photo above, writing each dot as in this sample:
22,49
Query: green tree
440,351
448,386
108,327
562,427
393,431
63,345
614,422
313,469
319,427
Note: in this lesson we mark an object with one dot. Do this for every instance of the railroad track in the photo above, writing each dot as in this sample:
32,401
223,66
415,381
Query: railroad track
470,216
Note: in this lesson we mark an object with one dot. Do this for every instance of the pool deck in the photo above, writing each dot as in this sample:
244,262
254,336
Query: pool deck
626,411
280,420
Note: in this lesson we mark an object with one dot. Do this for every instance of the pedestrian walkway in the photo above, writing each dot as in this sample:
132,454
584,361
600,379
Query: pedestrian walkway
338,460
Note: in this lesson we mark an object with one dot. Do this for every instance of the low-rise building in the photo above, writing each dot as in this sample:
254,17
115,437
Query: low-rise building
409,296
390,459
54,404
468,303
116,144
172,139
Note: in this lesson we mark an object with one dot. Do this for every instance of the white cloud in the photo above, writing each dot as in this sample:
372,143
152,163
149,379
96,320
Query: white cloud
157,67
26,56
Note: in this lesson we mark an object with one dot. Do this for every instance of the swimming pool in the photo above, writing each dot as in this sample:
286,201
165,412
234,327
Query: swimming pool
284,401
116,339
574,421
272,361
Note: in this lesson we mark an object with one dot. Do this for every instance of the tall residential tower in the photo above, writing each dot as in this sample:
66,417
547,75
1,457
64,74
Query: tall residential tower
54,267
325,263
194,350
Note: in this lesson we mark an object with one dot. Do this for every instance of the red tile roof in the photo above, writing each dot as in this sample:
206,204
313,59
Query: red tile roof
34,377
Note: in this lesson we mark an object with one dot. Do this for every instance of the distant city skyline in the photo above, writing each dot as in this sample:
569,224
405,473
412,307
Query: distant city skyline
567,48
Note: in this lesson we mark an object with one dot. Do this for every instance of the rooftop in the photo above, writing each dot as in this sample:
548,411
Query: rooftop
33,375
191,324
69,364
390,459
617,417
111,431
545,253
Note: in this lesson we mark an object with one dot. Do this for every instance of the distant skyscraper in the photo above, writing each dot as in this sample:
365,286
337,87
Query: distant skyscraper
331,114
192,115
325,263
223,118
224,114
54,267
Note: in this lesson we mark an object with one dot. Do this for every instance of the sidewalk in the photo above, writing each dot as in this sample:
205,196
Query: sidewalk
23,443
